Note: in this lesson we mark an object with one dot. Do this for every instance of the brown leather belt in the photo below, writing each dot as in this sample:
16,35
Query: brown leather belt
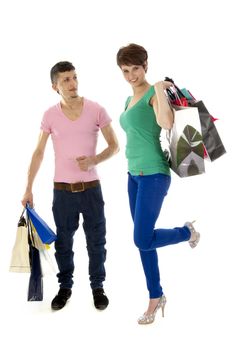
75,187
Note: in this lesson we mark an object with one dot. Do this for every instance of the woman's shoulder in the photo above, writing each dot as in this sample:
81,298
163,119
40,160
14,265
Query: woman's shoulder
151,90
149,94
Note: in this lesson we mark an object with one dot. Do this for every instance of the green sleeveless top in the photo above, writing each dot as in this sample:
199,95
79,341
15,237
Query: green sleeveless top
143,149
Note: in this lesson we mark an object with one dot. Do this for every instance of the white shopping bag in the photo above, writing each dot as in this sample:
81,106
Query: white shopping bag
186,146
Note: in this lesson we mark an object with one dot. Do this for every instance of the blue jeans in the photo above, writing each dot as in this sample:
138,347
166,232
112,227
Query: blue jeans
146,195
67,207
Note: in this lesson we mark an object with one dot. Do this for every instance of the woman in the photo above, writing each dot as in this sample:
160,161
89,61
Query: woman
145,114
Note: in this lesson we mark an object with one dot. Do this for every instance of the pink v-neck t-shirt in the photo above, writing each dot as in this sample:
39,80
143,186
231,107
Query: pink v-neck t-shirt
72,139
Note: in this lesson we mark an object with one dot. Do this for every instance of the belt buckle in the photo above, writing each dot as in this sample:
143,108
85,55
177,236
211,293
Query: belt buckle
73,190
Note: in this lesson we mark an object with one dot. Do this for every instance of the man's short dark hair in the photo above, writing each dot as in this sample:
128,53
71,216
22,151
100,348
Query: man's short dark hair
60,67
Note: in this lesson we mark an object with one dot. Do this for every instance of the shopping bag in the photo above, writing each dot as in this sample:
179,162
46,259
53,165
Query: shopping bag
20,253
47,265
35,286
214,147
45,233
183,93
176,97
34,237
186,146
212,141
187,94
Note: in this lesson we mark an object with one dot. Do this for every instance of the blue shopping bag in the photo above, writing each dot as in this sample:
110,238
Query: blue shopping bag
45,233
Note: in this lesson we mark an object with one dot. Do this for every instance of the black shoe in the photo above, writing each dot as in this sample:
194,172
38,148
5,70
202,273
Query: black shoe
100,299
61,298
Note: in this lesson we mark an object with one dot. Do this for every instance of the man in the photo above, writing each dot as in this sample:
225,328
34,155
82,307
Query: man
73,125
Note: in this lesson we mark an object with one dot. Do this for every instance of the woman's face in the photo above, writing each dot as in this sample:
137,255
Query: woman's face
133,74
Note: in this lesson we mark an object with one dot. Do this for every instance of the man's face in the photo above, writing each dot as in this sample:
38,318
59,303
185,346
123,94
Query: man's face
67,84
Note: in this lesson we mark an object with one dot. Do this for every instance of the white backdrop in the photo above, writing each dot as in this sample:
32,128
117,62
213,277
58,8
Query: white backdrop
189,42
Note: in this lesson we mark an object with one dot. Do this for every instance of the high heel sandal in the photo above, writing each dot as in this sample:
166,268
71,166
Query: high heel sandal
147,319
193,242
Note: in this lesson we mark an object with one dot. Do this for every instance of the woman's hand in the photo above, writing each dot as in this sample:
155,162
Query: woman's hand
163,85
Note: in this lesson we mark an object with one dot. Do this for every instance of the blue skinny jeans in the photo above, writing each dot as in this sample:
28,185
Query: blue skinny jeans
146,195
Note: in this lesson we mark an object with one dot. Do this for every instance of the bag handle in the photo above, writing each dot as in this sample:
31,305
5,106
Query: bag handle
30,232
179,92
22,213
173,95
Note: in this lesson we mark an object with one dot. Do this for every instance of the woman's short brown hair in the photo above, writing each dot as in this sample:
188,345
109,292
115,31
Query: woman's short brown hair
132,54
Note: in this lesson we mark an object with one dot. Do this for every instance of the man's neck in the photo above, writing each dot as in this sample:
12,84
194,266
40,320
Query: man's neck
72,103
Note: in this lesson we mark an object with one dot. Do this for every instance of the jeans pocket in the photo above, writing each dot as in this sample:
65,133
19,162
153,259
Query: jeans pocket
96,195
